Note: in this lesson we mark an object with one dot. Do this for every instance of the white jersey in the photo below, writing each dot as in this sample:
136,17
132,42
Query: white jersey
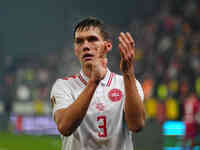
104,126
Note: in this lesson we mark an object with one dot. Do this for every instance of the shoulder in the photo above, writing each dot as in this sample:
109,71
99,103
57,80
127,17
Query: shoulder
72,77
119,77
65,81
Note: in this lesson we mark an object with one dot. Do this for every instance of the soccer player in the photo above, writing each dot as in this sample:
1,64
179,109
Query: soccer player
97,109
191,108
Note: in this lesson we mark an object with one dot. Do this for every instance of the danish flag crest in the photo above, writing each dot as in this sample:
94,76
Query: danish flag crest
115,95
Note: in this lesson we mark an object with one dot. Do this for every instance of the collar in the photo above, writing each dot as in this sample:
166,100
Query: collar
106,80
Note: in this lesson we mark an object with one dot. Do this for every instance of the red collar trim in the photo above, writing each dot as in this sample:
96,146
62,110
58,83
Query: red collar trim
82,80
110,79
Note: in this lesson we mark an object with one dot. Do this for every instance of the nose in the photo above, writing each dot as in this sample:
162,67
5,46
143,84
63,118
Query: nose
86,46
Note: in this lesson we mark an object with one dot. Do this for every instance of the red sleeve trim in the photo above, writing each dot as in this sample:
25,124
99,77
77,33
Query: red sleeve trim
67,78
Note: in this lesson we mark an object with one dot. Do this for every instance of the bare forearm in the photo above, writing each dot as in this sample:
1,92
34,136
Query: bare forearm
134,108
70,118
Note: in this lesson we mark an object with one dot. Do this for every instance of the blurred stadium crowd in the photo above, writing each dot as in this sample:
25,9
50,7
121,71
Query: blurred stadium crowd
168,65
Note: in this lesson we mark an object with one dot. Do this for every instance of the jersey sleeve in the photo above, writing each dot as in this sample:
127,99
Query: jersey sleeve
61,96
140,90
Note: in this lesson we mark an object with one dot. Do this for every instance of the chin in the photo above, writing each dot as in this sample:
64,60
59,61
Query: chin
88,64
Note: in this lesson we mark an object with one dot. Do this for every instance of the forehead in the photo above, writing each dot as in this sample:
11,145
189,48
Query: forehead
91,31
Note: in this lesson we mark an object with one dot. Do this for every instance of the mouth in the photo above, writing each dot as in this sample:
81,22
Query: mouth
87,57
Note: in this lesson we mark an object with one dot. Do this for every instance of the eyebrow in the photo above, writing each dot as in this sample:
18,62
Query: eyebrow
93,37
88,37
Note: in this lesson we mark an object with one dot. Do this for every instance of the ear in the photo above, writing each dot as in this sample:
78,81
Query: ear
75,51
108,46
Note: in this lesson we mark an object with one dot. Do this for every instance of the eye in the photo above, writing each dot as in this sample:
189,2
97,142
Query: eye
79,40
92,39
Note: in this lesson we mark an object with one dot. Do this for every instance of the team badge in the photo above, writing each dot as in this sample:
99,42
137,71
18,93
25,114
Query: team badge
115,95
100,106
53,101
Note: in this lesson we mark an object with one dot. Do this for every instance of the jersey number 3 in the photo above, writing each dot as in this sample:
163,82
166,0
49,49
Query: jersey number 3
102,133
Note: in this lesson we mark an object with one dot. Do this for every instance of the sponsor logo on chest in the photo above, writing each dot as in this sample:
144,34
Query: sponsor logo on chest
100,106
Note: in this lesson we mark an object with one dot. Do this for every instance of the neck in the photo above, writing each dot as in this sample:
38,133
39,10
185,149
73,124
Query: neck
87,71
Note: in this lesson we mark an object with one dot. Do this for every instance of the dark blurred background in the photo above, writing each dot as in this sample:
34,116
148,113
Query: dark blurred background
36,48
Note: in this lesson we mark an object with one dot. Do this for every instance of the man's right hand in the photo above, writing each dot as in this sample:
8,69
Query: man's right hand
99,65
99,69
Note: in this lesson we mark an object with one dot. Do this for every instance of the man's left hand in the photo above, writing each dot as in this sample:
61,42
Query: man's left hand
127,51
